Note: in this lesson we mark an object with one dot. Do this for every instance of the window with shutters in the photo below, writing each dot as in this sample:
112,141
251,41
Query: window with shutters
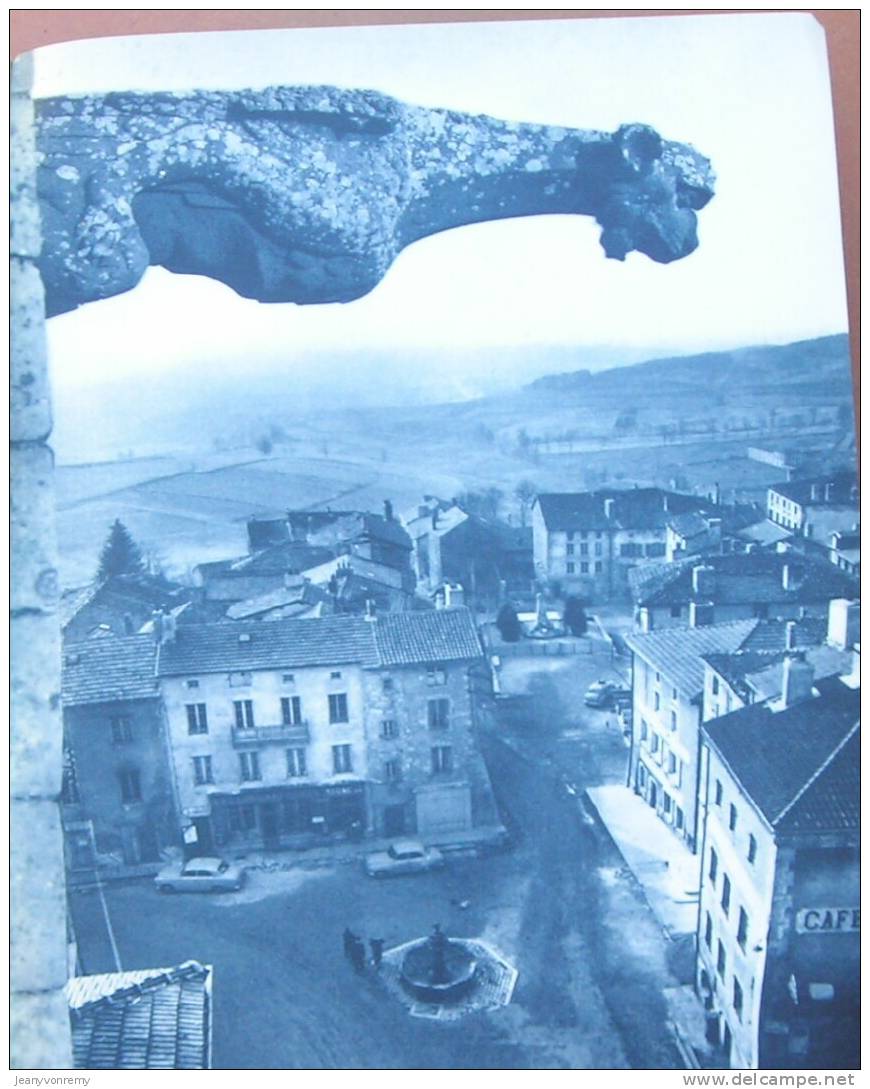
131,785
742,929
342,759
726,893
442,759
202,770
122,730
439,714
338,707
296,764
244,710
249,763
197,718
291,710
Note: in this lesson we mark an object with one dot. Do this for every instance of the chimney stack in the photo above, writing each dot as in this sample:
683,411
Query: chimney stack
844,623
703,581
797,679
453,595
388,511
608,508
701,614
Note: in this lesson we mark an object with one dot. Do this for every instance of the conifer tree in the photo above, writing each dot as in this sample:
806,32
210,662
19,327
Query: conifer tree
120,555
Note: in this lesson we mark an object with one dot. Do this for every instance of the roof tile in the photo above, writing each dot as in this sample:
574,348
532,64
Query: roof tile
776,755
104,670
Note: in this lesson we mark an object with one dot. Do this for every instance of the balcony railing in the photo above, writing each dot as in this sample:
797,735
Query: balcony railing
297,732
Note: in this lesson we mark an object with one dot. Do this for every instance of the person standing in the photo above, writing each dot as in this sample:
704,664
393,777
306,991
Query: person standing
377,947
358,955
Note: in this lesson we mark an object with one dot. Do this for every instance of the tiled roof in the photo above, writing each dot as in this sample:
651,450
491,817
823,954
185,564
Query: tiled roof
391,639
742,578
298,592
157,1019
248,645
800,491
766,681
295,556
104,670
352,525
437,636
764,532
688,525
120,590
633,508
73,600
833,798
777,756
770,635
677,652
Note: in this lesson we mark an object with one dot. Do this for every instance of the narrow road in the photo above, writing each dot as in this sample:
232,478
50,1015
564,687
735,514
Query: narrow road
585,917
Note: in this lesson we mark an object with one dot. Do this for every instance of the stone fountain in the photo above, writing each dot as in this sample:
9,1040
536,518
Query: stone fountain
438,969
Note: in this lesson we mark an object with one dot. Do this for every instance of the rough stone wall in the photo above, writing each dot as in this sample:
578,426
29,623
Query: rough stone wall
99,761
407,704
39,1016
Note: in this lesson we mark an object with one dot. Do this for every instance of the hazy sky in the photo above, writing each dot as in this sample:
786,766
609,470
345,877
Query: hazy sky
749,91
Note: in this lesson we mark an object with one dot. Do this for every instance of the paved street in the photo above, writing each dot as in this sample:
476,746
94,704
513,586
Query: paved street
559,905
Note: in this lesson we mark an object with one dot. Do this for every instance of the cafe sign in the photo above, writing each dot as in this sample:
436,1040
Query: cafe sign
828,920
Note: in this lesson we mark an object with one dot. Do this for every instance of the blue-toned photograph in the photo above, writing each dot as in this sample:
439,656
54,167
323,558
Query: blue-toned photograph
435,551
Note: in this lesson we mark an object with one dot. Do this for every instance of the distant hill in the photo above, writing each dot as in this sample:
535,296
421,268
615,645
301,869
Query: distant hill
818,366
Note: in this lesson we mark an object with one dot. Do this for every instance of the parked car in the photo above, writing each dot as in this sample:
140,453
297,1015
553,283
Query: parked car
607,694
403,856
200,875
598,694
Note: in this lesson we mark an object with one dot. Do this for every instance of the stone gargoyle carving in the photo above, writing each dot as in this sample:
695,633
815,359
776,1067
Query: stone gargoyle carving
307,194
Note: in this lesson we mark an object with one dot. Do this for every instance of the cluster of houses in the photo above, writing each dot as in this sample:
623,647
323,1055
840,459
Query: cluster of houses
308,691
328,685
744,736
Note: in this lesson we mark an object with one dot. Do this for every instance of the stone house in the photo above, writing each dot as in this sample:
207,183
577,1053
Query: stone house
483,555
815,507
778,939
274,568
684,677
754,673
119,605
330,727
736,586
117,802
589,541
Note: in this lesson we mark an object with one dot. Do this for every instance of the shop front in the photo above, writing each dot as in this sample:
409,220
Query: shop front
273,817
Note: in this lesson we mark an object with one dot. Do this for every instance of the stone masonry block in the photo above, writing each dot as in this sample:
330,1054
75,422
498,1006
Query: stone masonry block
36,741
25,235
30,392
39,1032
34,551
38,930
